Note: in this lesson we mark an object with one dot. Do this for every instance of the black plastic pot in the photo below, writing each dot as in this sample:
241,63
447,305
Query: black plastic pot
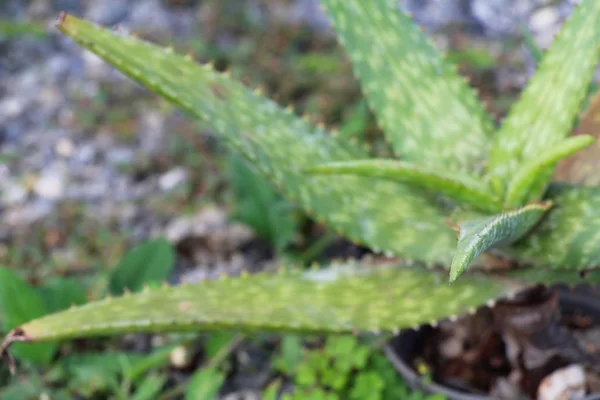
407,345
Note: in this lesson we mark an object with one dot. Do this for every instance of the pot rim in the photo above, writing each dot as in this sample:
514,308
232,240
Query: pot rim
572,300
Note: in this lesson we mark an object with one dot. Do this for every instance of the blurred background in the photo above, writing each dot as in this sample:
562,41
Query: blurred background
93,166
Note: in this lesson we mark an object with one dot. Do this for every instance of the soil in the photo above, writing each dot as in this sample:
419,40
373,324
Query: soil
507,351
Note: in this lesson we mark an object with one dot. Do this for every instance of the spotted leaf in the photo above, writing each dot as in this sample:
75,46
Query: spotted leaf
457,187
380,214
546,111
583,167
425,108
476,236
342,298
521,189
569,236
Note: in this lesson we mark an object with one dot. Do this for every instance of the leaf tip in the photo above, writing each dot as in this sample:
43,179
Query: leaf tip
61,19
16,335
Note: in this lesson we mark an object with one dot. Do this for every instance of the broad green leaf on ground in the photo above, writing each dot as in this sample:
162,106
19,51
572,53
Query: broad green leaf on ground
457,187
522,189
258,205
149,262
476,236
61,293
584,166
381,215
20,303
569,235
205,384
343,298
428,112
546,111
150,387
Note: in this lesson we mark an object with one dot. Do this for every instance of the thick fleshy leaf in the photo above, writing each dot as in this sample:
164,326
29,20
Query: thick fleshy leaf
476,236
460,188
428,112
343,298
551,102
521,189
569,235
584,166
382,215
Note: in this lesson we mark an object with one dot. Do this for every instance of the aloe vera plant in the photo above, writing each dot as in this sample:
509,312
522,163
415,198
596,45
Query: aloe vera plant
453,171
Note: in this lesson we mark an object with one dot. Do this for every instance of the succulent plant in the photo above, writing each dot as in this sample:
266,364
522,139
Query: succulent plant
454,170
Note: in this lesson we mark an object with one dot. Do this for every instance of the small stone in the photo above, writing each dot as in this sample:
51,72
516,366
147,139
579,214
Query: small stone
13,193
27,214
179,357
173,178
108,12
51,183
64,147
567,383
12,107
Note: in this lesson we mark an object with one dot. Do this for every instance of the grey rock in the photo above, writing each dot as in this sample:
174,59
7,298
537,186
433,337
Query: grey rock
13,193
108,12
51,182
28,213
173,178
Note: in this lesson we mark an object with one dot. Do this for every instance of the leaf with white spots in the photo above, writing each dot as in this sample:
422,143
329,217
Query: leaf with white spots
569,235
476,236
584,166
428,112
546,111
346,297
379,214
463,189
521,189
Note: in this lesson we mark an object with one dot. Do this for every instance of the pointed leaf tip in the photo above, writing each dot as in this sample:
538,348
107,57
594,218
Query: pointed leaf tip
476,236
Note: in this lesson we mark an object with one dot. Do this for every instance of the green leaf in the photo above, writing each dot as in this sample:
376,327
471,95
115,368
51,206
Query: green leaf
158,358
476,236
205,384
569,235
290,354
149,262
344,298
549,105
20,303
259,206
428,112
61,293
459,188
536,53
521,191
381,215
150,387
582,167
